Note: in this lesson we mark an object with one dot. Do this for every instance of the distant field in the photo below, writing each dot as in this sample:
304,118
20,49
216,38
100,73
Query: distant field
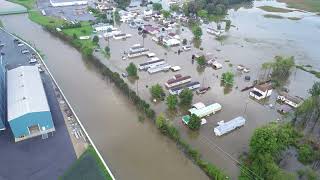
37,17
274,9
273,16
308,5
26,3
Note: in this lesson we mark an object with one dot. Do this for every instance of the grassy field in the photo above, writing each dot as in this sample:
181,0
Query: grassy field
37,17
85,30
273,16
274,9
308,5
88,166
29,4
294,18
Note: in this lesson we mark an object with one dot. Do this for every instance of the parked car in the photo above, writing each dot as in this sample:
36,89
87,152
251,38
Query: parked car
124,75
32,60
186,48
203,90
20,44
25,51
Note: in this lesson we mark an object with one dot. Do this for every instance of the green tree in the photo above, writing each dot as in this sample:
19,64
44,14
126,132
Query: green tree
315,90
175,8
132,70
117,16
74,35
228,25
166,14
161,121
201,61
280,67
123,3
157,92
202,13
227,78
172,101
306,154
194,123
95,39
186,97
107,49
184,41
156,6
197,32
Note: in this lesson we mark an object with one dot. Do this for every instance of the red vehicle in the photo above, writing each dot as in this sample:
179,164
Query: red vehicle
203,90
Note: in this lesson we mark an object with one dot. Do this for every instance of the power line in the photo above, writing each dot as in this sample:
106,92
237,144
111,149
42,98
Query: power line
214,146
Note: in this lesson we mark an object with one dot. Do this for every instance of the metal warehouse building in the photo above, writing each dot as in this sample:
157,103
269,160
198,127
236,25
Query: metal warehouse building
28,110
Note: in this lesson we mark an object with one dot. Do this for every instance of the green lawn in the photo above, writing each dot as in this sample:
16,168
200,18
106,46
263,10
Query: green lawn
88,166
273,16
37,17
85,30
29,4
309,5
274,9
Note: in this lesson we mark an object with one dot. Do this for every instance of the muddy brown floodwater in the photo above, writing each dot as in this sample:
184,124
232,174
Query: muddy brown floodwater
133,150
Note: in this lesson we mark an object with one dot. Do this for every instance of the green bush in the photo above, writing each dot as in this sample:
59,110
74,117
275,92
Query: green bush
194,123
306,154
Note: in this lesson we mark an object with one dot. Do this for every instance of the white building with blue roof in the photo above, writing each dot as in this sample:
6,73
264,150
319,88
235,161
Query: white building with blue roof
28,111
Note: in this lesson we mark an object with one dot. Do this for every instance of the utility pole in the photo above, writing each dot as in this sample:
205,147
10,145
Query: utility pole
137,87
245,109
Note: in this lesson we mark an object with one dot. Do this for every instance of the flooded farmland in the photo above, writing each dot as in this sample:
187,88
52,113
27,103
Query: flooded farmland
136,150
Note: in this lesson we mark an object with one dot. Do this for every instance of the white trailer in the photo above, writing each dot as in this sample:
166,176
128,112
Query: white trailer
137,53
163,67
177,81
152,63
206,111
225,127
178,90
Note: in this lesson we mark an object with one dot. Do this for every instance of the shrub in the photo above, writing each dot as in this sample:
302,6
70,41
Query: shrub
186,97
306,154
194,123
132,70
157,92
